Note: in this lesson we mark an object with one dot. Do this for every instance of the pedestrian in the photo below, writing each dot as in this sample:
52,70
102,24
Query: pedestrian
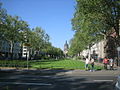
111,63
92,64
105,62
86,63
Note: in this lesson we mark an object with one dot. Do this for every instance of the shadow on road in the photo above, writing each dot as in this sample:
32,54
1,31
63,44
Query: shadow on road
47,80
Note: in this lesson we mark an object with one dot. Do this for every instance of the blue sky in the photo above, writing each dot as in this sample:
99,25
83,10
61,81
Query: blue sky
54,16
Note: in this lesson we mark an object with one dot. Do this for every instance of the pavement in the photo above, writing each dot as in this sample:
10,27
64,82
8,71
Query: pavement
115,72
45,79
89,73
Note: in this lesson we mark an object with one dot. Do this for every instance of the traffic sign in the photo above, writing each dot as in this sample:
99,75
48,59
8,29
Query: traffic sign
26,44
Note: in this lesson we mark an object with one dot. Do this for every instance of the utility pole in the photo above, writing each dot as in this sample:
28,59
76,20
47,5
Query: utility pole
27,53
27,49
27,56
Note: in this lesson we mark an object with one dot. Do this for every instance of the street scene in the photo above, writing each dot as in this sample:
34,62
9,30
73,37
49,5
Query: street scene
60,44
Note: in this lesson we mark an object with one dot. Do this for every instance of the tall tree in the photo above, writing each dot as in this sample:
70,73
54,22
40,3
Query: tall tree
95,18
14,28
38,39
3,15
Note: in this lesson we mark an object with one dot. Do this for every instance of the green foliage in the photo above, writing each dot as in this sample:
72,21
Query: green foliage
37,38
92,20
13,29
39,41
53,52
3,15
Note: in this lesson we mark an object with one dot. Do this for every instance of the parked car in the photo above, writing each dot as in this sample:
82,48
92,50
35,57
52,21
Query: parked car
117,85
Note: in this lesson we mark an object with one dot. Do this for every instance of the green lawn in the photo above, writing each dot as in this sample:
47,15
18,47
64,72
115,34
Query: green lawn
13,63
43,64
60,64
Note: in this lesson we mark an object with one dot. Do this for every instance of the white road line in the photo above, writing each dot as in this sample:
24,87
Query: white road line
103,80
17,83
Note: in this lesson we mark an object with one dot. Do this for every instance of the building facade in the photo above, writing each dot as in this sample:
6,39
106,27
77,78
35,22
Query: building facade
96,51
5,48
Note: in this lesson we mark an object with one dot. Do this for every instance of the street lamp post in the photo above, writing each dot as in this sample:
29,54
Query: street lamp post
27,56
27,53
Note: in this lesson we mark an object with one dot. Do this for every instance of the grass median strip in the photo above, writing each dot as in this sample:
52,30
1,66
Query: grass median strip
46,64
61,64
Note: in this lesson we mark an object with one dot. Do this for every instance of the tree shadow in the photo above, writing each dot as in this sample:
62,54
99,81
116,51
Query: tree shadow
52,80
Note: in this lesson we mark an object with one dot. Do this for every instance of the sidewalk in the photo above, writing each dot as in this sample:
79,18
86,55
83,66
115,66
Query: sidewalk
88,73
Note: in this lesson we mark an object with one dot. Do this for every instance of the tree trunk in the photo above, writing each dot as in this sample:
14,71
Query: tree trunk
11,49
110,47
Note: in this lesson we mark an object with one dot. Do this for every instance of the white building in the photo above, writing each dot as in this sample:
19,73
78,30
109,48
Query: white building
5,48
98,48
17,50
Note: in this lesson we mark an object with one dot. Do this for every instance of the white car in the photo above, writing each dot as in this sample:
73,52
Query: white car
117,86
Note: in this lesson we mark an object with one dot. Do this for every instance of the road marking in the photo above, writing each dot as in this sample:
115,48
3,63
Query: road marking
103,80
17,83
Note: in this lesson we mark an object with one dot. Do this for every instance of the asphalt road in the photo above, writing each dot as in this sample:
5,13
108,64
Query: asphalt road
55,80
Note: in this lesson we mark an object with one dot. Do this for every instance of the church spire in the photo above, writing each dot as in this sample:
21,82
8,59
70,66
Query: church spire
66,46
66,42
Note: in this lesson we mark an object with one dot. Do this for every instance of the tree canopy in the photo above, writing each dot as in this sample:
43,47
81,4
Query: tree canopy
92,20
13,29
